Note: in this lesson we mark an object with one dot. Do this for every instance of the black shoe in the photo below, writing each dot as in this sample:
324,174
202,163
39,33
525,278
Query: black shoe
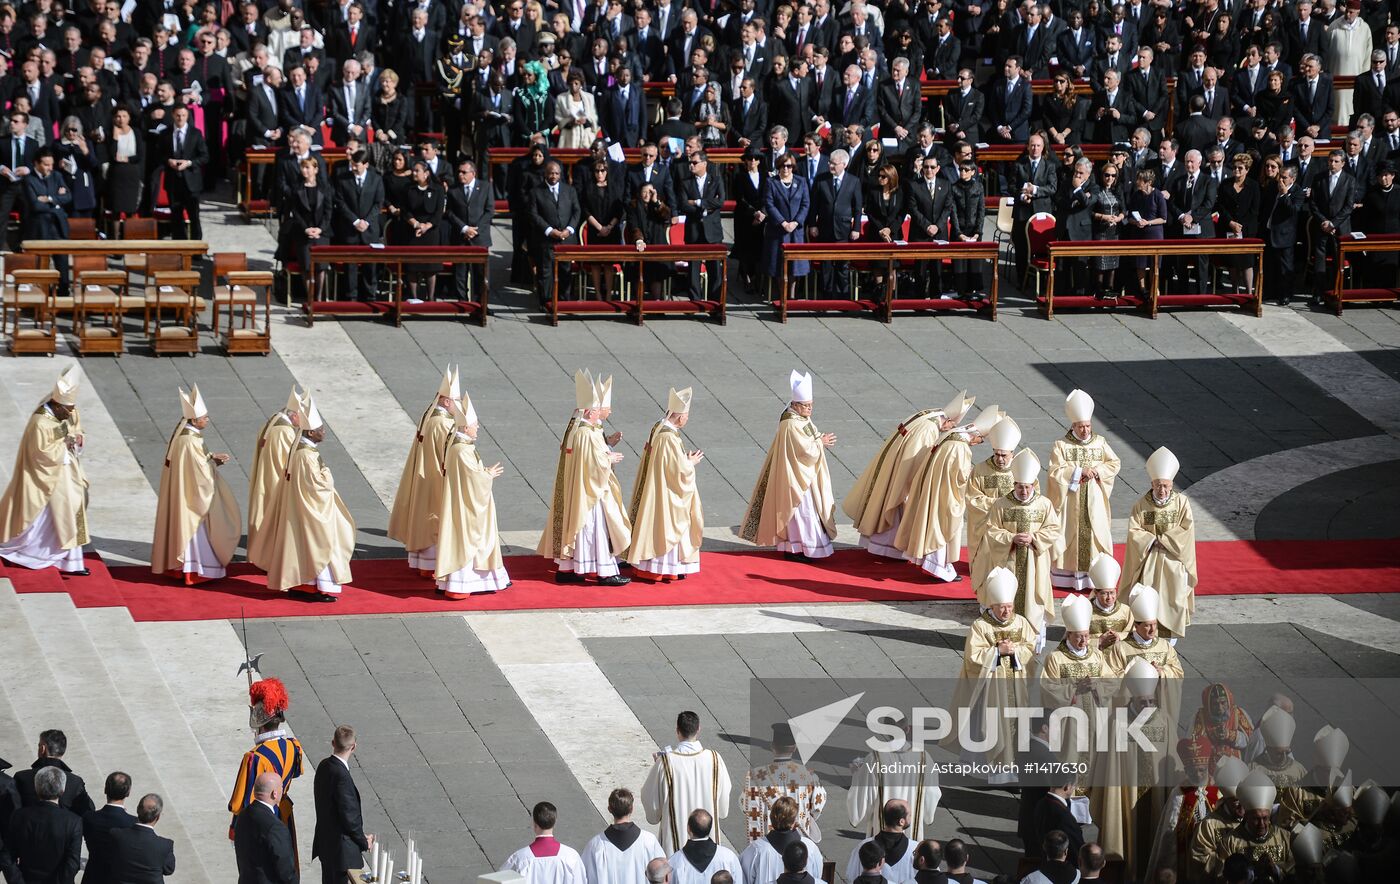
615,580
83,573
568,577
680,576
325,598
794,557
439,590
956,579
624,566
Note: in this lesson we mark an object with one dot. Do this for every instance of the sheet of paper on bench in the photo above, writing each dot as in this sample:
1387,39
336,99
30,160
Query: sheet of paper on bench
376,245
1356,234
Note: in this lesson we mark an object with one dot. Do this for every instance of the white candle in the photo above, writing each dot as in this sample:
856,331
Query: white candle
374,858
389,871
380,872
414,869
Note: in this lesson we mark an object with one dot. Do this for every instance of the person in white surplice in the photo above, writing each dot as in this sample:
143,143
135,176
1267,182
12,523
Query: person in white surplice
701,858
893,843
763,859
908,775
683,778
545,860
621,852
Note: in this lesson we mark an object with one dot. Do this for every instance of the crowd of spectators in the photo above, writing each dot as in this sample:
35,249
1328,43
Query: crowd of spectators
137,104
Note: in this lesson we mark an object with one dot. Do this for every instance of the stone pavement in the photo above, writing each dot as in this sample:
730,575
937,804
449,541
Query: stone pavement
1287,427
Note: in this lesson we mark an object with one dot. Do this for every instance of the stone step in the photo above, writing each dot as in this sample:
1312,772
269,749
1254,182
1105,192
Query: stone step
199,662
104,723
185,769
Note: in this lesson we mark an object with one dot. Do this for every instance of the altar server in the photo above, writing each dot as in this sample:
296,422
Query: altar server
763,858
667,521
702,857
620,853
544,860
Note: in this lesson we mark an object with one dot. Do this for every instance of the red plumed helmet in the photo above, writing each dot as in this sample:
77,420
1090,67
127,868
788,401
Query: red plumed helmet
268,701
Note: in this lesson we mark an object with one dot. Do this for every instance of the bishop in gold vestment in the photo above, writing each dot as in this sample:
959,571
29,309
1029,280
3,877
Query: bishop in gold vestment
1079,483
1257,836
274,449
995,676
792,507
413,521
469,545
311,544
1076,674
990,481
930,533
1111,619
1161,548
197,518
587,528
876,502
1023,534
667,521
43,515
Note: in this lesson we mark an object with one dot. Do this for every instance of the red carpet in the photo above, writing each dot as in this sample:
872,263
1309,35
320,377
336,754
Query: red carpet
385,586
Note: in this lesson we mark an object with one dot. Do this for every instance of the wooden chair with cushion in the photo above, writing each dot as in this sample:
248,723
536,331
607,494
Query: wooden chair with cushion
98,293
140,228
226,295
178,291
82,228
33,292
242,303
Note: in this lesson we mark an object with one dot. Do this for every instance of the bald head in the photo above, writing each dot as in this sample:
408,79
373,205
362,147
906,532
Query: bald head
268,787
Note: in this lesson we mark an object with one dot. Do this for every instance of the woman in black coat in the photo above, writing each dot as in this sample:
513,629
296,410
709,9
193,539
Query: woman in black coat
1064,112
1237,204
604,209
749,189
421,225
306,221
390,112
1380,213
124,152
522,177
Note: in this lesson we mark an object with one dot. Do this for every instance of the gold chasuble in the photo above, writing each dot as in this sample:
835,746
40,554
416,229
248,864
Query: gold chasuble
986,484
467,532
275,443
1080,680
46,473
884,484
315,530
1161,553
192,492
586,479
990,683
796,464
418,501
1031,564
1118,620
1086,516
665,510
933,513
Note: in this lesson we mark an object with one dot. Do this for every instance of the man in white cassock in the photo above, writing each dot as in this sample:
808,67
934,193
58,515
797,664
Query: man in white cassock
792,507
783,777
908,775
1079,482
892,841
197,518
43,515
545,860
684,777
620,853
876,502
587,528
763,859
701,858
1161,547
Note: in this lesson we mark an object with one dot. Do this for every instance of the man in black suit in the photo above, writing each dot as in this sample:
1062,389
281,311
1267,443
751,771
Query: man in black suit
1305,37
45,840
790,104
1331,203
359,205
1115,57
1112,112
1077,45
852,103
648,46
98,826
1058,833
183,154
17,152
963,109
139,855
1033,43
899,106
1034,781
340,840
1009,104
302,104
748,116
1148,89
1075,217
1033,182
1197,131
930,218
557,215
1312,99
1368,94
262,844
471,207
834,217
349,104
1189,214
52,746
650,171
1281,228
623,109
265,109
701,199
248,30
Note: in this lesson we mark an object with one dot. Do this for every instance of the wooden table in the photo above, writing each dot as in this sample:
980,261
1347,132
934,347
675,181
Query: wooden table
892,256
186,249
1340,295
398,257
640,306
1156,249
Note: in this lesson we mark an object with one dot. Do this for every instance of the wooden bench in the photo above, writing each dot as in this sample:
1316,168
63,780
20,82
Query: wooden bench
240,297
174,290
1156,250
640,305
1340,295
396,259
34,291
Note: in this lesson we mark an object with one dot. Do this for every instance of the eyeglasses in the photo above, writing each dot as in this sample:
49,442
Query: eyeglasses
696,162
